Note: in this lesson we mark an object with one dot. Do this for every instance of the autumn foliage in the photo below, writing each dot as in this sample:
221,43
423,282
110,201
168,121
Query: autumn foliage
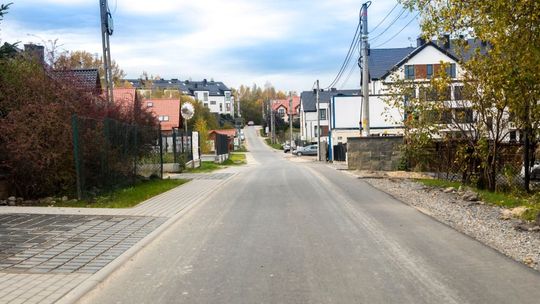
36,150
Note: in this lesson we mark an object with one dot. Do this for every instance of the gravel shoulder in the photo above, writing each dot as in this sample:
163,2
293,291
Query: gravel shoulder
480,221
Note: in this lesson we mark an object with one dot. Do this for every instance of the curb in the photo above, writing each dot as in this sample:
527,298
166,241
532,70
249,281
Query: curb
93,281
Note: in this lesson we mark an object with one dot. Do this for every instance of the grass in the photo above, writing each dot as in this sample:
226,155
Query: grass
127,197
275,146
502,199
242,148
235,159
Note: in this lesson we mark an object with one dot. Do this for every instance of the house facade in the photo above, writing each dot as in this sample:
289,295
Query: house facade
309,112
281,107
214,95
386,66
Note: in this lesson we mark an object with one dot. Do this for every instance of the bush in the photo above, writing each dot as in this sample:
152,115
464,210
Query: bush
35,127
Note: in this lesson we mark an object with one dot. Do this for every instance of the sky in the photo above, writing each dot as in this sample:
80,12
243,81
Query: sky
288,43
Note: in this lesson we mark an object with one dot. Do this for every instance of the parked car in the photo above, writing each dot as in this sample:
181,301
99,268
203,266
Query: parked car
251,123
286,148
307,150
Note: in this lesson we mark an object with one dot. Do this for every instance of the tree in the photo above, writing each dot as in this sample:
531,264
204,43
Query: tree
202,127
6,49
86,60
509,69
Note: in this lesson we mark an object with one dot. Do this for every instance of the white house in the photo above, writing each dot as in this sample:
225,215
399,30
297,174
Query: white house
214,95
309,112
418,64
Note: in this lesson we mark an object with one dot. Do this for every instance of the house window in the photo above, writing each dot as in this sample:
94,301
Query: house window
458,93
281,112
464,115
228,107
429,73
206,104
316,134
409,72
163,118
451,70
205,96
322,114
149,104
221,107
228,96
213,102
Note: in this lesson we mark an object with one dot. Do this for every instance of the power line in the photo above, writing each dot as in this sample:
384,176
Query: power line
351,71
377,26
414,18
347,58
389,26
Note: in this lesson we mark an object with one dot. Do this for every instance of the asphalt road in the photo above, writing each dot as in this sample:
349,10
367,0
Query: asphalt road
290,232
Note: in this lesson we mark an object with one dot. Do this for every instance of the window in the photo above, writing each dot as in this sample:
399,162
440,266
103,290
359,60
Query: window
228,107
458,93
163,118
409,72
315,131
451,70
464,115
221,107
429,71
149,104
213,102
228,96
205,96
322,114
281,112
206,104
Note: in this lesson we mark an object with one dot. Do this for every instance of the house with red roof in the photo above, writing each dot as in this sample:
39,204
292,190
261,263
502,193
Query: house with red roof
166,110
231,133
281,107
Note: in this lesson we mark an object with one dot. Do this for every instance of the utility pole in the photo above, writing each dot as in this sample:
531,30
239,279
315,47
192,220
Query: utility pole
272,123
318,123
107,29
365,70
290,119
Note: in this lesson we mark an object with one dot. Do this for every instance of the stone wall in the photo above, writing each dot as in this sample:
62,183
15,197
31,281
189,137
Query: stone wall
374,153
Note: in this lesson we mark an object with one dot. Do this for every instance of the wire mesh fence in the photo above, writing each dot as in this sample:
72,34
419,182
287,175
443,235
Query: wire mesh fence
451,161
110,154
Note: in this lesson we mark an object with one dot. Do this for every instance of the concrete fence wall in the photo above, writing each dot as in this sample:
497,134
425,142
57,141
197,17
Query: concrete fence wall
374,153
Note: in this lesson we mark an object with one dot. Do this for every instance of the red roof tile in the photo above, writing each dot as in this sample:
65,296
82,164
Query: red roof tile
276,104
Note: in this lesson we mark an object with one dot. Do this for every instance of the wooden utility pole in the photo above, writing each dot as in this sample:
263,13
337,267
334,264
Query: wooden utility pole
107,29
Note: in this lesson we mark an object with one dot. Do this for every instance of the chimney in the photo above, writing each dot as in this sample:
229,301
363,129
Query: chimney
420,41
205,82
446,42
333,89
35,51
314,91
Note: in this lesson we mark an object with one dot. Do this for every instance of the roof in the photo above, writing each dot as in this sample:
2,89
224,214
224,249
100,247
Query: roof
165,107
383,61
228,132
276,104
215,88
309,98
124,97
85,79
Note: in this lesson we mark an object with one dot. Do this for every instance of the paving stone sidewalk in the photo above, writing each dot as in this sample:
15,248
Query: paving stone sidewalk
46,252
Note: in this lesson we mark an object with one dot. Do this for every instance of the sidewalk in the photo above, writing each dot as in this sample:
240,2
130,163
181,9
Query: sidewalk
46,252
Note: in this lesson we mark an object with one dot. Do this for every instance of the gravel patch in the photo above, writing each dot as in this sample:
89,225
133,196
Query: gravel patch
475,219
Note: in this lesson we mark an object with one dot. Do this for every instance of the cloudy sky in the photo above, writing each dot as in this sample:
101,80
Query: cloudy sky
289,43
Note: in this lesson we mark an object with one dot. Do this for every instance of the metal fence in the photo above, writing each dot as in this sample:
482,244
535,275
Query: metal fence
445,160
110,154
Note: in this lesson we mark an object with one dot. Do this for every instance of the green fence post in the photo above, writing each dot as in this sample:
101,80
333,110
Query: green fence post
160,152
174,146
75,130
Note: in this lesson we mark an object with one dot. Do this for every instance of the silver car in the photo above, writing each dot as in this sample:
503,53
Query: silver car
307,150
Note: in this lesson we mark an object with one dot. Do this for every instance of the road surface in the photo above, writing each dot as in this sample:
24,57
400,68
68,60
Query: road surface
301,232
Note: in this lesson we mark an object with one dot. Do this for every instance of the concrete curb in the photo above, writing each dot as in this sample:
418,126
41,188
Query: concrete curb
93,281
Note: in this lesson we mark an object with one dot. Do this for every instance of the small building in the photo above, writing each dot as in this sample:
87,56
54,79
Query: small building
230,133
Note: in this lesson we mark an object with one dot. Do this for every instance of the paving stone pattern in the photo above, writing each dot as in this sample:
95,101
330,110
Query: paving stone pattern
49,243
206,176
